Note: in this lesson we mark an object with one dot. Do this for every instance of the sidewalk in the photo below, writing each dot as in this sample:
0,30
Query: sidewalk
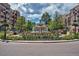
46,41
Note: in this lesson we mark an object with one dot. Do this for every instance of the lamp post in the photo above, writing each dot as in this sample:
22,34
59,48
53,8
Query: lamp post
5,24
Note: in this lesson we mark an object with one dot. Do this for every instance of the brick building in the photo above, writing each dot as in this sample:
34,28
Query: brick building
72,19
10,15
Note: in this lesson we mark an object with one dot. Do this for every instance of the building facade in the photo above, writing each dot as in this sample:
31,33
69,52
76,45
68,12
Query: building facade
11,15
4,6
72,20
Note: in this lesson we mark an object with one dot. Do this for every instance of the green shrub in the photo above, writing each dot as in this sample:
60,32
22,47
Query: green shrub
76,35
1,35
41,37
12,37
24,37
71,36
56,36
68,37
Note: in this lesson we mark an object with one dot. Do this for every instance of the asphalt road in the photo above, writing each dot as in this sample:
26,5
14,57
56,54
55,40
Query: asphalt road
39,49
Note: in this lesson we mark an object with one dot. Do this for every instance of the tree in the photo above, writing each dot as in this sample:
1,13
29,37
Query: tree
45,18
30,25
20,23
57,23
52,25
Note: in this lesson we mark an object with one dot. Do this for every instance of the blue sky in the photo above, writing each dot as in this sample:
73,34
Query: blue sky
34,11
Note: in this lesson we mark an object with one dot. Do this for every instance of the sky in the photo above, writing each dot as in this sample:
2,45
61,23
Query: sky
34,11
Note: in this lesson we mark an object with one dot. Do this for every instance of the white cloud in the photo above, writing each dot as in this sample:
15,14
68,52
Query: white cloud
16,5
50,9
26,9
34,15
54,7
30,10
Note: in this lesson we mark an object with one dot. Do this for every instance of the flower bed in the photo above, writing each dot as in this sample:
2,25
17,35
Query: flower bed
41,36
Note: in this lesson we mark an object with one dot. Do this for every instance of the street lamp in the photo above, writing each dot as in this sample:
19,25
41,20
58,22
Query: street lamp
5,24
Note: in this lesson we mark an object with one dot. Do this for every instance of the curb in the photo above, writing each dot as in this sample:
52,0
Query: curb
52,41
46,41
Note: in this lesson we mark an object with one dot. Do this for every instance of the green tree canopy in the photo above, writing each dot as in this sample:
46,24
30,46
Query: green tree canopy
56,23
30,25
20,22
45,18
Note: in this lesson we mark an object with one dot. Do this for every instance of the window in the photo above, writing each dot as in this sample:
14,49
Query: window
69,22
78,29
2,16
